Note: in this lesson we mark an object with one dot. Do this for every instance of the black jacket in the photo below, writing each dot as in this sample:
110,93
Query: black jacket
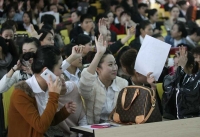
21,27
75,32
135,44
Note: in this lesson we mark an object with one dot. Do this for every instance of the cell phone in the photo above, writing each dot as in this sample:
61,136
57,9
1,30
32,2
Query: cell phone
46,74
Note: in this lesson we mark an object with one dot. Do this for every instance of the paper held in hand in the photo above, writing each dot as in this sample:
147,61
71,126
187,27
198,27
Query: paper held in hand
152,57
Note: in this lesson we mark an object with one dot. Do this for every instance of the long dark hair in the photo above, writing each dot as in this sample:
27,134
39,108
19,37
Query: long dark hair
3,46
11,45
30,16
46,56
142,25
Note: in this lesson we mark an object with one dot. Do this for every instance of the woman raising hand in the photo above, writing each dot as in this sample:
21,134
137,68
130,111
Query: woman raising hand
100,90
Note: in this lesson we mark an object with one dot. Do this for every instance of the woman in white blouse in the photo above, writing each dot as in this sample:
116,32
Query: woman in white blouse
100,91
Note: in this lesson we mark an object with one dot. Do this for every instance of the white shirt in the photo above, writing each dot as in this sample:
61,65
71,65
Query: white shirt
184,12
28,28
191,41
153,25
116,21
75,78
43,96
177,42
141,39
108,106
143,17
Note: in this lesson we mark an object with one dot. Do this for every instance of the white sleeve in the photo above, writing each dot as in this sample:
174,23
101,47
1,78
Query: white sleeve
86,83
65,65
6,82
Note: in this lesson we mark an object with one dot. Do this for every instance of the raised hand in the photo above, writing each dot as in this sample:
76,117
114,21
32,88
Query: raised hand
182,58
34,33
71,107
55,86
77,51
102,27
123,19
101,45
150,79
1,4
28,5
130,31
17,66
20,5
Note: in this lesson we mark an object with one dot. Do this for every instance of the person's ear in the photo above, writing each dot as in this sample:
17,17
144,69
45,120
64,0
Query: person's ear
44,69
98,70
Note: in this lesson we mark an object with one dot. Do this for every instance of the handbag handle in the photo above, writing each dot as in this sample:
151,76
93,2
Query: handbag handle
124,96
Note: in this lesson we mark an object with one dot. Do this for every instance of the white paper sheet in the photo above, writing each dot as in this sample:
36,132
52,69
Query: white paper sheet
152,56
56,15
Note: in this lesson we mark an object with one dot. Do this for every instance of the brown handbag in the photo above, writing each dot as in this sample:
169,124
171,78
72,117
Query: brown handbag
136,104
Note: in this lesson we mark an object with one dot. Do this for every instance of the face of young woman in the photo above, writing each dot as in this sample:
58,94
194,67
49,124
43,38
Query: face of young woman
8,34
29,47
11,13
77,63
48,40
175,13
155,17
57,68
108,69
75,18
54,8
26,19
87,48
148,30
174,32
110,17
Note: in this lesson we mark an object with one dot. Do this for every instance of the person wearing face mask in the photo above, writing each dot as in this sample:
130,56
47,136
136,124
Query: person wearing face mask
20,71
7,33
5,58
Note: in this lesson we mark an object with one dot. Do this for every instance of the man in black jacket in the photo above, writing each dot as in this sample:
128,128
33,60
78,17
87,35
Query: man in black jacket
86,27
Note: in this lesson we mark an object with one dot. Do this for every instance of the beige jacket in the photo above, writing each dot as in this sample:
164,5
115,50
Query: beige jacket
95,95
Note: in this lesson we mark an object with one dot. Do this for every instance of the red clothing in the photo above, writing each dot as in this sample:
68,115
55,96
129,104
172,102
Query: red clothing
121,30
